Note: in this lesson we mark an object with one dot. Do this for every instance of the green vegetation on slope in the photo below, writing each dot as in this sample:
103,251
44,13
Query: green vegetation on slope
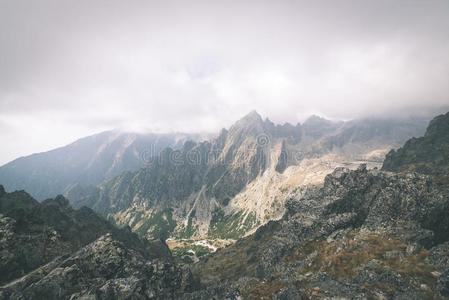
231,226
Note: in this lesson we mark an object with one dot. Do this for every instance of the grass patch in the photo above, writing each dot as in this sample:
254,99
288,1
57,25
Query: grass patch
233,226
263,290
344,259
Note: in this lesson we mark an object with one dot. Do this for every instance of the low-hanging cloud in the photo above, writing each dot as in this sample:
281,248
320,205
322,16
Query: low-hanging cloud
71,68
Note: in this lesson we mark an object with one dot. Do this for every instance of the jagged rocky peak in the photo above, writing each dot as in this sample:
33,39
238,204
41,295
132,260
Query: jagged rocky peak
250,125
15,201
265,131
315,120
316,126
252,117
439,127
242,143
253,123
284,131
428,154
59,201
241,138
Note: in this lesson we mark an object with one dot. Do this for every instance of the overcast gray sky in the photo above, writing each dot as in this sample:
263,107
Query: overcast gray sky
73,68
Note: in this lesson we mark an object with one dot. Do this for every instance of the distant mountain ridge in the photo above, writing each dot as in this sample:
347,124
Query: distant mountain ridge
87,161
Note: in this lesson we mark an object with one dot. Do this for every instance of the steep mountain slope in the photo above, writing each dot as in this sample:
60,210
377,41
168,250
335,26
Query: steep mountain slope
428,154
230,185
85,162
363,235
33,233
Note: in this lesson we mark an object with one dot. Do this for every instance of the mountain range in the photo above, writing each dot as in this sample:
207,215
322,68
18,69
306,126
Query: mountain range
363,233
228,186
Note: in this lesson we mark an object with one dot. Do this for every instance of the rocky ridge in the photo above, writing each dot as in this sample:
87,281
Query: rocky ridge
427,155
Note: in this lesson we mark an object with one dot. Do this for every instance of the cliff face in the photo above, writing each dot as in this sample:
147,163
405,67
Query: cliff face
427,155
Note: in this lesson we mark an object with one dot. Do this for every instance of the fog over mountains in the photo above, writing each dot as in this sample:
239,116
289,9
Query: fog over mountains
73,69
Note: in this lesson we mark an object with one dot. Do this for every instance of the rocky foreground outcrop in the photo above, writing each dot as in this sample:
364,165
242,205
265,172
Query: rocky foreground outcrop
104,269
364,234
39,241
33,233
